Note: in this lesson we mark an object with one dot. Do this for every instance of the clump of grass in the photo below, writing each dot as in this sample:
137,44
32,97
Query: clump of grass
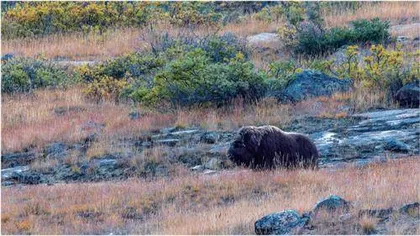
368,224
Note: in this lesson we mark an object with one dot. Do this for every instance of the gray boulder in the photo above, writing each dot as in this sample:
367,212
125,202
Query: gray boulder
311,83
331,204
409,95
257,39
395,145
280,223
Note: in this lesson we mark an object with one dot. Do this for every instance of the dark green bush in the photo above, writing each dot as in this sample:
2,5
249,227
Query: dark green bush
313,41
373,31
195,79
134,65
25,74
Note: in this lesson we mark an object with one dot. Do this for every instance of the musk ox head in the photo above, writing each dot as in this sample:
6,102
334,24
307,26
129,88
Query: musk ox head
245,146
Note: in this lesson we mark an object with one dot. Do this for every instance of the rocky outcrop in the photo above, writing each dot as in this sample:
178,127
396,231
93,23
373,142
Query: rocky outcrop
311,83
263,38
371,135
409,95
339,217
360,139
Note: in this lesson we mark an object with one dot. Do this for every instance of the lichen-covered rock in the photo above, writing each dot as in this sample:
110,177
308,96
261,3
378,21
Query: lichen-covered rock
311,83
409,95
280,223
331,204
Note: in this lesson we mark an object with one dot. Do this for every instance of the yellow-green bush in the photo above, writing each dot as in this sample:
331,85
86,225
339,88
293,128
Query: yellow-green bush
105,88
29,19
381,68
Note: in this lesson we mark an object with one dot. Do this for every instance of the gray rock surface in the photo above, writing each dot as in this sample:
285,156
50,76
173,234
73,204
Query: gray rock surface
311,83
409,95
374,134
254,40
280,223
17,159
396,145
331,204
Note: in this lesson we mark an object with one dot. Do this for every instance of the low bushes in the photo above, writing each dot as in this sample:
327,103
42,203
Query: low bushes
194,79
43,18
313,41
25,74
183,71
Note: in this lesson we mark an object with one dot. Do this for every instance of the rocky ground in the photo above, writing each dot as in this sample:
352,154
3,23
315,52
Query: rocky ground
335,215
358,139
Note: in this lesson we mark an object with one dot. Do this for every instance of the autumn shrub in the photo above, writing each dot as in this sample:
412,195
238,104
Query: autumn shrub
382,69
182,71
196,79
25,74
28,19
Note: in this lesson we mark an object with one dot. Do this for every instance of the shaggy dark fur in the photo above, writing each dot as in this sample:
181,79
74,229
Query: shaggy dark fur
268,147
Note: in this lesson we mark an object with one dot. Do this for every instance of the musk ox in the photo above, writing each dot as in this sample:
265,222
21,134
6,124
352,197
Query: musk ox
268,147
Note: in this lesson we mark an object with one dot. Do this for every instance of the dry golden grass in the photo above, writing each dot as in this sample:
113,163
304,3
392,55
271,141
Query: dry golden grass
35,120
250,26
78,46
227,203
396,12
46,116
117,42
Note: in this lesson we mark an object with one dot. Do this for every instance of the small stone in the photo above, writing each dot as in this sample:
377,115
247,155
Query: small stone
135,115
280,223
168,142
198,168
209,137
209,172
168,130
213,164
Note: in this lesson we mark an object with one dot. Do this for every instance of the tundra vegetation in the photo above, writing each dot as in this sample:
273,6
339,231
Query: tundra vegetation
116,105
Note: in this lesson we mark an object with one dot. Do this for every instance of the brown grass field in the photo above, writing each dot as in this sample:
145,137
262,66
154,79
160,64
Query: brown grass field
31,120
121,41
227,203
44,116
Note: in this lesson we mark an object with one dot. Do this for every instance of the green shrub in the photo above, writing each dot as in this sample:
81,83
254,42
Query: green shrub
195,79
311,40
25,74
120,77
283,72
